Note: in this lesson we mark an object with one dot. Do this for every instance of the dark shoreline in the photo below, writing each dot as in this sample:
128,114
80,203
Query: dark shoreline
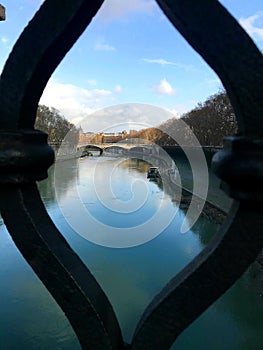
209,210
214,214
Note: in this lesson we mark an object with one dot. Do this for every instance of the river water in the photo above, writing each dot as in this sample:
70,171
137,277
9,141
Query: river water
112,196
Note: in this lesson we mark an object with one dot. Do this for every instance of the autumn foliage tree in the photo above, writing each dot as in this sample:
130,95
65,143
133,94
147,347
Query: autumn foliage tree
153,135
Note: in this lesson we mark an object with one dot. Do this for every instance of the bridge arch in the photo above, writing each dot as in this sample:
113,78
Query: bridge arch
90,148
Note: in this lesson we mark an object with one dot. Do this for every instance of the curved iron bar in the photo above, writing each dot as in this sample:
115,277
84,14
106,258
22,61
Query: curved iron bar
204,280
234,248
228,50
59,268
36,54
42,45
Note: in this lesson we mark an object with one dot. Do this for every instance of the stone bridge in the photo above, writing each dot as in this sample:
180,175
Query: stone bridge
119,148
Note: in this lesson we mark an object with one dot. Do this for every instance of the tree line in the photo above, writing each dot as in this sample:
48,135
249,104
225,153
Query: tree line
209,121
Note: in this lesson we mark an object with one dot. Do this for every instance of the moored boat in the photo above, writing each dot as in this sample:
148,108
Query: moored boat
153,173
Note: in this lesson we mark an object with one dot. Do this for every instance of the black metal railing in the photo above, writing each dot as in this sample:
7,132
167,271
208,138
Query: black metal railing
25,158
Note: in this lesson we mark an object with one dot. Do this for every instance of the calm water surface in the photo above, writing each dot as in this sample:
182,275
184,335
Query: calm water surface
117,194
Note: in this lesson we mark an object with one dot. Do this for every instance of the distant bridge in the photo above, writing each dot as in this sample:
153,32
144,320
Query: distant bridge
119,148
151,153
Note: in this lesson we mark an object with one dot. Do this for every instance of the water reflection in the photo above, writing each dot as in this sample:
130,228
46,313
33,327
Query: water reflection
30,318
67,171
138,165
131,277
113,205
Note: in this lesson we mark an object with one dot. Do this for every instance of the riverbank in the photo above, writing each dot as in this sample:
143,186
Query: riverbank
217,204
210,211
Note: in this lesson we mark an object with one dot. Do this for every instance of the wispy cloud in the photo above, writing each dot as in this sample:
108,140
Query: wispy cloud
160,61
163,62
251,26
104,47
164,88
119,9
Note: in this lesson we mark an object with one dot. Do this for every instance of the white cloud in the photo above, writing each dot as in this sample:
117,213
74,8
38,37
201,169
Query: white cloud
163,62
164,88
124,117
175,113
160,61
116,9
104,47
249,24
90,108
73,101
100,92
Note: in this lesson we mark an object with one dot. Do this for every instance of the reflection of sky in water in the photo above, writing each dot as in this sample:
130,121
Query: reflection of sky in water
131,277
122,198
93,210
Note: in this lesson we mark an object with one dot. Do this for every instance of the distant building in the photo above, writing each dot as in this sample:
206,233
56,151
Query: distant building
86,137
106,137
112,133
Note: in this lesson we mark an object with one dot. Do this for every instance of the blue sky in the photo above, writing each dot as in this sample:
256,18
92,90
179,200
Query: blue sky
130,54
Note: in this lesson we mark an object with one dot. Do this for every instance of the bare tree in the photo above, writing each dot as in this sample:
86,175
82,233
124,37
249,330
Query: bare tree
56,126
